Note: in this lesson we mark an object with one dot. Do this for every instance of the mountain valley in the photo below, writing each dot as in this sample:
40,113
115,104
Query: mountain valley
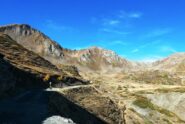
89,86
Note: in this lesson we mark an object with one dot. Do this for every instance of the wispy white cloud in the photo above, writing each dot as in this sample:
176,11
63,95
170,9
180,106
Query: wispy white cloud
132,15
57,27
147,44
114,31
111,22
135,15
104,44
150,43
158,32
135,50
118,42
111,43
117,18
116,23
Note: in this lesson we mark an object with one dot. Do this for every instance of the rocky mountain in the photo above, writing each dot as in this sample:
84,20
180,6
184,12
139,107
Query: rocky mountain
16,63
90,59
97,58
93,58
33,40
173,63
140,93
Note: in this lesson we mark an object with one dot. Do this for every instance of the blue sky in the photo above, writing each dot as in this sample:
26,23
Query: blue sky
142,30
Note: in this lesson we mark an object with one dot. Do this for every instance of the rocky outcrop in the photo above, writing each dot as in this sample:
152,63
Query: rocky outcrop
33,40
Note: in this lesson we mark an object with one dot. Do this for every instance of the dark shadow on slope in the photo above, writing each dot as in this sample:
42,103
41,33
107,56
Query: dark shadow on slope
66,108
35,106
14,80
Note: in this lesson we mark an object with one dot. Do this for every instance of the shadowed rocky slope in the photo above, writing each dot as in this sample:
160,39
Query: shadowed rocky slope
24,76
38,107
23,68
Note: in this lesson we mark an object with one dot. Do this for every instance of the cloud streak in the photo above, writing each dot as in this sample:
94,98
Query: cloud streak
116,23
129,15
116,18
158,32
111,22
135,51
135,15
118,42
114,31
57,27
148,44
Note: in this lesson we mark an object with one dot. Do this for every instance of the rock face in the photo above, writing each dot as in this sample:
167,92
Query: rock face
33,40
94,58
99,59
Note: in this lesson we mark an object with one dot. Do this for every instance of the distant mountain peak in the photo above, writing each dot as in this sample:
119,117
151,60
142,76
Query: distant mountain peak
172,63
93,58
32,39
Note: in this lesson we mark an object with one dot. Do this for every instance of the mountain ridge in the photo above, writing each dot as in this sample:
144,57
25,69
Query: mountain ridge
93,58
129,92
41,44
